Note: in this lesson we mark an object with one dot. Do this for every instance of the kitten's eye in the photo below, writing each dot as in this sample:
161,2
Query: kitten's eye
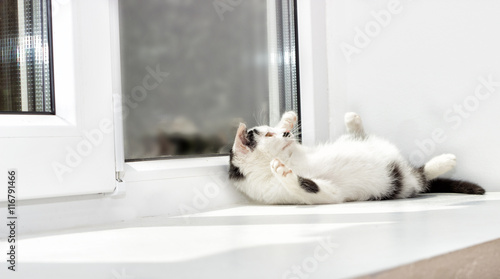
269,134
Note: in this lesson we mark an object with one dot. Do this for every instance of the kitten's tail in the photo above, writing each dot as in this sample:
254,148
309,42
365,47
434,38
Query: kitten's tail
442,164
445,185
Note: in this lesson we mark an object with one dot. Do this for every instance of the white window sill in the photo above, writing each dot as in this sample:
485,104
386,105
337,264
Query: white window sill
174,168
326,241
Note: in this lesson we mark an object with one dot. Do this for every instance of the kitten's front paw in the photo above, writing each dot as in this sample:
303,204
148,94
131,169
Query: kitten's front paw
288,120
279,169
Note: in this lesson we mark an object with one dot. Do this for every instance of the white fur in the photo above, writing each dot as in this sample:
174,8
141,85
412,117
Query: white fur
439,165
355,167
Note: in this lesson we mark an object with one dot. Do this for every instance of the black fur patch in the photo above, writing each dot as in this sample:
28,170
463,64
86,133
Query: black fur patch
308,185
422,181
396,182
251,143
234,171
445,185
286,134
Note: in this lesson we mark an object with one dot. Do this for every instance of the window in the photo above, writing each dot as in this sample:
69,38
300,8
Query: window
26,67
69,150
192,70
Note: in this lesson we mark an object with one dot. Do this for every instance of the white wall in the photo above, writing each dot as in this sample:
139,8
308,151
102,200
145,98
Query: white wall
410,78
313,70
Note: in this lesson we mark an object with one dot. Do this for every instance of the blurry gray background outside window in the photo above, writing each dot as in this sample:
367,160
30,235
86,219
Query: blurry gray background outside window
25,62
192,70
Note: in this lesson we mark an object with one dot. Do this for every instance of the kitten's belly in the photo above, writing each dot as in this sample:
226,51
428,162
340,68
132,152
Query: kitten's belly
357,170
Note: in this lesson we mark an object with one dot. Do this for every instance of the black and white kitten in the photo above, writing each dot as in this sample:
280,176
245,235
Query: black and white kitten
271,167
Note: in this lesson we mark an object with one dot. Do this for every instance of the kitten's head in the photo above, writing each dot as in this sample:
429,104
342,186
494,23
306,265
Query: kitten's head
261,144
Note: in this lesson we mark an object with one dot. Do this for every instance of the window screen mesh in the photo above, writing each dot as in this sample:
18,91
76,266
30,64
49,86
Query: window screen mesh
25,76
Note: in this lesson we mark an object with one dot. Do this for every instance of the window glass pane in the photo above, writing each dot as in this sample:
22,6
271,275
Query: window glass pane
25,75
193,70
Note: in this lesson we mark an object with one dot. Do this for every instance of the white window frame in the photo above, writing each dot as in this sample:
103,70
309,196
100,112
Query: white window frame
313,98
71,152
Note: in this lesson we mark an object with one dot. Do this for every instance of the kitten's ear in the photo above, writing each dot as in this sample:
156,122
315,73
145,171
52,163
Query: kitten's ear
241,140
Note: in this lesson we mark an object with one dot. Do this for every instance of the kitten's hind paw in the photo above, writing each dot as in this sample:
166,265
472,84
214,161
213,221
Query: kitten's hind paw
439,165
354,124
352,118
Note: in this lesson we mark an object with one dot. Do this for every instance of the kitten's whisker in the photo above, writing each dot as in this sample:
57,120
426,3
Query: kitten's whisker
297,129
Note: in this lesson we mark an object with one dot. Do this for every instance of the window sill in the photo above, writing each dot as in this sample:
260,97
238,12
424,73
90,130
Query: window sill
175,168
322,241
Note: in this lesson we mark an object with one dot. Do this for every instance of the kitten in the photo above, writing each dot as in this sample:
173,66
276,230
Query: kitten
271,167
